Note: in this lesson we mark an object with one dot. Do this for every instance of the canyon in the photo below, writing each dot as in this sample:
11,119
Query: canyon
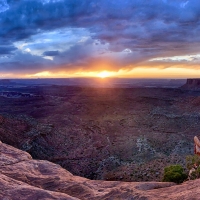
126,134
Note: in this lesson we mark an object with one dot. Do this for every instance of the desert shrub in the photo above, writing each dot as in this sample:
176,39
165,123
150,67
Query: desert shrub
191,160
174,173
195,174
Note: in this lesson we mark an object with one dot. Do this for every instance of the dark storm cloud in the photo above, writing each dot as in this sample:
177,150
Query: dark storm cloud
124,32
79,55
25,18
50,53
24,63
7,49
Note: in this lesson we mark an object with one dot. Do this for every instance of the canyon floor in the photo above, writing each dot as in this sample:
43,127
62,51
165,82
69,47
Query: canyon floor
126,134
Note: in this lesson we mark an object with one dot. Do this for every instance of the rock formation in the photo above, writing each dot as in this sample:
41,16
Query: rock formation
21,177
192,84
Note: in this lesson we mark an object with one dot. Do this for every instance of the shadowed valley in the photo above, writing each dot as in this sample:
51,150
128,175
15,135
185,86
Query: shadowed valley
127,134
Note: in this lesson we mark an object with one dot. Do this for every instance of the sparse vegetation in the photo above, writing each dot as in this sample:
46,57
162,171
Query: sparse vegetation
174,173
195,174
190,161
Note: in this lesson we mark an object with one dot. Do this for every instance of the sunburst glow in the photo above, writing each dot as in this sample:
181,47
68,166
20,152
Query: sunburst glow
104,74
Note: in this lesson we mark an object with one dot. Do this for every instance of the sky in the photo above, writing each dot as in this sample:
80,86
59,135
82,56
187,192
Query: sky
100,38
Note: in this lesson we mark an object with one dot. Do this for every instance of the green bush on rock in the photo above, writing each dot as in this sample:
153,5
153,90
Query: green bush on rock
174,173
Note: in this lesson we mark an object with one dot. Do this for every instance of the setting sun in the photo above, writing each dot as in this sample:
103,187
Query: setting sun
104,74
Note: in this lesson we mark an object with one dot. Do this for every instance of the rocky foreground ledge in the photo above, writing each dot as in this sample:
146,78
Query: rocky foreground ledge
21,177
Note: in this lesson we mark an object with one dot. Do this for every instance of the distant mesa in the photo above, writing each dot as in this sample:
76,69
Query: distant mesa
192,84
4,81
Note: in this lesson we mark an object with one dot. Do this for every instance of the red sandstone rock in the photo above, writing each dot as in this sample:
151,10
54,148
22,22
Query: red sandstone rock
21,177
13,189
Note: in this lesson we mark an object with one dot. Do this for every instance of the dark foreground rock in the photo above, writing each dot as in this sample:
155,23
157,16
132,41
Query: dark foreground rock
21,177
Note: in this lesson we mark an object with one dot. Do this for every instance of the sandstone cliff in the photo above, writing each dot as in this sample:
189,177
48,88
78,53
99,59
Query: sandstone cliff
192,84
21,177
